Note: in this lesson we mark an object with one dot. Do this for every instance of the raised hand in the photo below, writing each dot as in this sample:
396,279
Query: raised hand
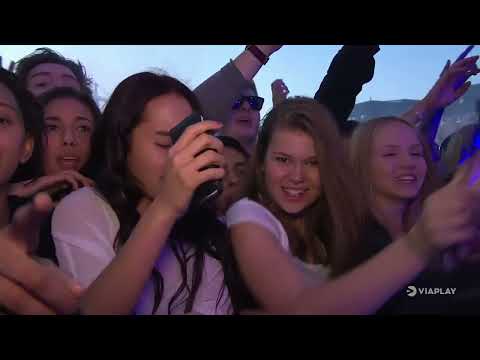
188,166
451,215
279,92
452,83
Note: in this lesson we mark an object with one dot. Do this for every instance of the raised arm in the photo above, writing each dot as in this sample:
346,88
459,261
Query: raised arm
451,85
280,286
219,91
351,68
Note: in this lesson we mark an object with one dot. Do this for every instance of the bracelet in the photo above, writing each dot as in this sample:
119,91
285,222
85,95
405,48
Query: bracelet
258,53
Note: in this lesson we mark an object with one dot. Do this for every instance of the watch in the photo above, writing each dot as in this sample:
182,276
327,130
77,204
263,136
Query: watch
258,53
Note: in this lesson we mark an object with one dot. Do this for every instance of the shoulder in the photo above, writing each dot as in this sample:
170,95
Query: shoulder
248,211
84,210
86,198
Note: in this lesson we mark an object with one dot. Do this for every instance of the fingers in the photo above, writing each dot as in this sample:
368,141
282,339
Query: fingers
209,174
462,89
278,86
27,221
445,68
44,183
468,60
468,173
192,132
200,144
19,301
206,159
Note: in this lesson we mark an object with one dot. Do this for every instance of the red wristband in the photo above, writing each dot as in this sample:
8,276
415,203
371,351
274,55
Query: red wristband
258,53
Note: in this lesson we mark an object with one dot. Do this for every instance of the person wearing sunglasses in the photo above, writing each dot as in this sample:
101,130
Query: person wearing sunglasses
244,118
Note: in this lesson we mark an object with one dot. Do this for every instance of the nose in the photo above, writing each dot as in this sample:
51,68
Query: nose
245,106
68,137
407,162
297,174
232,179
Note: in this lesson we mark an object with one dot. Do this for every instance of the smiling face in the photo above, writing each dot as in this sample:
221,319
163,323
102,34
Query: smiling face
398,166
292,176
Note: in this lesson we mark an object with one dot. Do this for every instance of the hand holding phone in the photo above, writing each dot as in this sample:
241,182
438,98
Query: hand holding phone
209,190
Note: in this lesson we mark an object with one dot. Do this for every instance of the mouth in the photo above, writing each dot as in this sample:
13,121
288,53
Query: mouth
294,194
407,179
68,162
244,121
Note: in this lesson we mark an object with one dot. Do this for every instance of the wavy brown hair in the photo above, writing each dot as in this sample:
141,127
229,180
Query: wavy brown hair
361,147
334,221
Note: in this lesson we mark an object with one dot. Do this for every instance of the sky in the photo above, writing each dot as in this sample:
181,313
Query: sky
401,72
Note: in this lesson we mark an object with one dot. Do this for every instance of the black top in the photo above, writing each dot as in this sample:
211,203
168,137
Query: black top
351,68
466,280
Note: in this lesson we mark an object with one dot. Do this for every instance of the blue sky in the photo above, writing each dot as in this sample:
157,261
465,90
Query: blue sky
402,71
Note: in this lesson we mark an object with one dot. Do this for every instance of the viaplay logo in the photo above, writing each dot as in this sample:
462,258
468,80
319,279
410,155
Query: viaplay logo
413,291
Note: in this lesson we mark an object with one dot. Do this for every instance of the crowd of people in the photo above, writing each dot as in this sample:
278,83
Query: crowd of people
312,213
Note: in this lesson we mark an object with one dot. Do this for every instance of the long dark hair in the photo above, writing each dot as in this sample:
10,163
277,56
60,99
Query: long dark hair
198,228
334,222
94,163
31,115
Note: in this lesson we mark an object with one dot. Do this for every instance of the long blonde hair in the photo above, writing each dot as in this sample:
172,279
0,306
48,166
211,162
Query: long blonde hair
361,148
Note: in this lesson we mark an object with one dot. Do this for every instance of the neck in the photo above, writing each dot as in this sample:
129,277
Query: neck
4,209
390,213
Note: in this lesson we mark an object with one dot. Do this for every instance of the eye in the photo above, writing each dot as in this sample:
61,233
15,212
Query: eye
281,159
51,127
389,154
85,129
40,85
313,162
418,154
5,122
163,146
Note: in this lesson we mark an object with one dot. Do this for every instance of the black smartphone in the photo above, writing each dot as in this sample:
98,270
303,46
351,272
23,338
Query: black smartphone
209,190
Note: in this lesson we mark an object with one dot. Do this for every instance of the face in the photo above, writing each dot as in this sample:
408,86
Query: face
45,77
292,175
398,166
15,147
244,122
69,125
234,179
150,140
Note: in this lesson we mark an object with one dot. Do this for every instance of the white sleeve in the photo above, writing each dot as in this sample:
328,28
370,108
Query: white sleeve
247,211
83,232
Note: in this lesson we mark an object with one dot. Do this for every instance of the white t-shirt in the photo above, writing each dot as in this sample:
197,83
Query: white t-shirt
248,211
84,227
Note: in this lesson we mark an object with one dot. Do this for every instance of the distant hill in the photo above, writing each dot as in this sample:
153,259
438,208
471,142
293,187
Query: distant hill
459,114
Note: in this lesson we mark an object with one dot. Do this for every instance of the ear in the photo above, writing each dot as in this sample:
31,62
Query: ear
28,146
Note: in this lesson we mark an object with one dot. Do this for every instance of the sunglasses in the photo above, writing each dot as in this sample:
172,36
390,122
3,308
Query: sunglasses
255,102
